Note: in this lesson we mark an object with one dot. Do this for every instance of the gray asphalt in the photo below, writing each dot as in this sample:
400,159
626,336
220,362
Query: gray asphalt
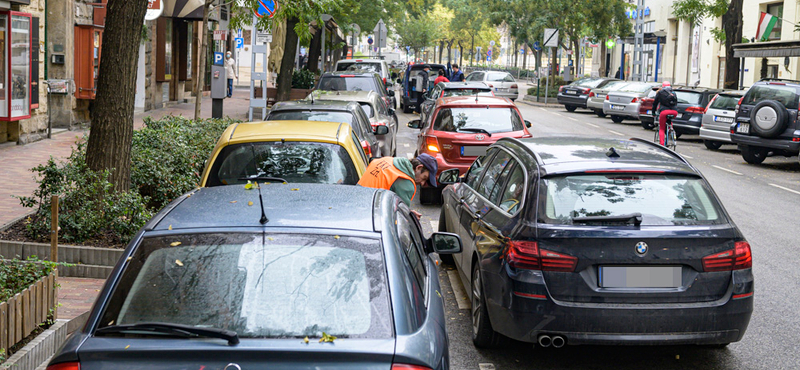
763,202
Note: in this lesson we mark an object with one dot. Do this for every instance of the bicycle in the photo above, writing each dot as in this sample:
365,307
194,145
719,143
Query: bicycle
670,137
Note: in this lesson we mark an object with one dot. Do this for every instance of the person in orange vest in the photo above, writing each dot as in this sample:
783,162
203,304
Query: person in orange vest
401,175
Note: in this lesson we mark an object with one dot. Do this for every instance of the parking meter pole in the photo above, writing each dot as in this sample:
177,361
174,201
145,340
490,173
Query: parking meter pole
219,86
547,83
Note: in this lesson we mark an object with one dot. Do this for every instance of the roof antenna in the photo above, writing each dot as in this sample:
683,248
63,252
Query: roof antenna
612,153
264,218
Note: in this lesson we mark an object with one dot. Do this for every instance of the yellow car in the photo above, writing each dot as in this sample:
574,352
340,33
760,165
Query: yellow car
290,151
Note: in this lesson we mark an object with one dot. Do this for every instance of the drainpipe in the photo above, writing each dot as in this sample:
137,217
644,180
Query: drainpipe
46,49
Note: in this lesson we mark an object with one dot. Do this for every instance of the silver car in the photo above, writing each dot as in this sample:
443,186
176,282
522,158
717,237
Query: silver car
598,96
716,127
624,103
502,83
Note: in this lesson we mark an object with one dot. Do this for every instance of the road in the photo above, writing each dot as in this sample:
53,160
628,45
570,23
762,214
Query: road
762,200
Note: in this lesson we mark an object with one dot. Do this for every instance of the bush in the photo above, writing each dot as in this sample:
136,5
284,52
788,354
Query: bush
16,275
303,79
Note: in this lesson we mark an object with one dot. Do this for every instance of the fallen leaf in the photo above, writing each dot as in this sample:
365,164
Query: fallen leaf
189,196
305,340
179,263
285,182
336,236
175,244
233,201
128,346
295,189
170,227
270,239
129,258
327,338
249,185
249,203
439,294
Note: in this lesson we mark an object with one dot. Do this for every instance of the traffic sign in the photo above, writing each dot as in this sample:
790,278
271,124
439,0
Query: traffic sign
263,38
551,37
369,40
380,31
491,43
408,48
489,52
537,46
479,48
154,9
522,51
219,58
489,58
220,35
266,8
239,42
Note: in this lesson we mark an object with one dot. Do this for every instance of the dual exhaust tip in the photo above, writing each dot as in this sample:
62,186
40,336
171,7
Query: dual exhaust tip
556,341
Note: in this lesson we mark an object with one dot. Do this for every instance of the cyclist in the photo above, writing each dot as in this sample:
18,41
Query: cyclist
664,104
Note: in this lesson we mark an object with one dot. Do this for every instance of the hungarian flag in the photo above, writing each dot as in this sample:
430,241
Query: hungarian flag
765,25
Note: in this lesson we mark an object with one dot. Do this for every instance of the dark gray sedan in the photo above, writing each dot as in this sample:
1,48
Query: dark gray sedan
319,277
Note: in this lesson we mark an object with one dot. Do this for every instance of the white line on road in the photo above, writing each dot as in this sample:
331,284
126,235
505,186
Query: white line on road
462,300
616,133
725,169
410,155
572,119
435,226
407,145
486,366
592,124
558,114
787,189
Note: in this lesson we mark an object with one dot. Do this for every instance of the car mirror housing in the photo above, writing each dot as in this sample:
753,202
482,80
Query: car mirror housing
390,92
394,76
415,124
446,243
528,124
381,130
391,111
399,81
448,177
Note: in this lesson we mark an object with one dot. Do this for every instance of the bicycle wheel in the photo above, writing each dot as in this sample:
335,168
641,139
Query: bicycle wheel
672,140
655,138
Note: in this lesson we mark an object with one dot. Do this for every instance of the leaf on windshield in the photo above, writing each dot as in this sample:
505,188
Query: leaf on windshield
233,201
179,263
175,244
295,189
327,338
250,185
170,227
305,340
250,203
336,236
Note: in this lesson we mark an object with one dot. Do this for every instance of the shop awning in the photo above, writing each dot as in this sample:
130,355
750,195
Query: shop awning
184,9
767,49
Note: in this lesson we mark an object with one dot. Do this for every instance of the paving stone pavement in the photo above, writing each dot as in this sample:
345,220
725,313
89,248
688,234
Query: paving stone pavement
77,295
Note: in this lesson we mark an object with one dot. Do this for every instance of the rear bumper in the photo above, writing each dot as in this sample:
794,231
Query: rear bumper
756,141
631,110
594,103
574,100
715,135
690,126
510,95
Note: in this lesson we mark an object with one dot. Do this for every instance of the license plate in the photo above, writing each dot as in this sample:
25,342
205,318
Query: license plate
571,92
473,151
617,107
640,276
601,96
723,119
743,128
650,111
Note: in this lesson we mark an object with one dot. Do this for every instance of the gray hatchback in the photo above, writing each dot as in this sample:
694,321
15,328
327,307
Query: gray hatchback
318,277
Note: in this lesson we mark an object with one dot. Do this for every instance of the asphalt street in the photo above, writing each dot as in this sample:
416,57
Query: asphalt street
761,199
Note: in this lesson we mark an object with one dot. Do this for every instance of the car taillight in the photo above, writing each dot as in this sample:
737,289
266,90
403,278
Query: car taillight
634,100
367,148
384,80
607,97
523,254
432,144
709,104
739,103
592,94
737,258
586,91
694,110
65,366
514,86
561,89
409,367
490,85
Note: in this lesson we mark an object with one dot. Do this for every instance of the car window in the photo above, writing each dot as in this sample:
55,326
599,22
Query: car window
309,115
359,67
293,161
280,286
511,198
499,77
382,109
435,93
493,194
636,87
361,152
355,83
725,102
493,173
786,95
476,169
490,119
411,248
367,109
689,97
362,116
663,200
468,92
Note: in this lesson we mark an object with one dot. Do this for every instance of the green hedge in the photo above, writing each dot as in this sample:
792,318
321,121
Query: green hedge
17,275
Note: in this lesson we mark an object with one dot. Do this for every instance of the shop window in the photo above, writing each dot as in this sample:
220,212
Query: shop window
777,11
15,73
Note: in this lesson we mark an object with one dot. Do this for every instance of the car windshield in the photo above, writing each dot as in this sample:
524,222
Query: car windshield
367,109
356,83
315,115
636,87
293,161
279,286
467,92
661,199
689,97
725,102
786,95
359,66
489,119
499,77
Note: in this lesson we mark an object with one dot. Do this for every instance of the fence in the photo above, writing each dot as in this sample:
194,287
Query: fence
22,314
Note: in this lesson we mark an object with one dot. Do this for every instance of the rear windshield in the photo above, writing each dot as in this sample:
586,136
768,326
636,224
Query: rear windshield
615,85
280,286
325,116
490,119
357,83
636,87
587,82
786,95
359,66
467,92
499,77
293,161
661,199
725,102
689,97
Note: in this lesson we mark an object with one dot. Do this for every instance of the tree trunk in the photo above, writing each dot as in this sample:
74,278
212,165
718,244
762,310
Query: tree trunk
554,66
603,51
441,49
460,54
472,51
287,62
314,51
109,146
516,54
201,61
450,51
732,24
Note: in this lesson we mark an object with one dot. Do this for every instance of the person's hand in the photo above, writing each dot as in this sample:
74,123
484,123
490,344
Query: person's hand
416,214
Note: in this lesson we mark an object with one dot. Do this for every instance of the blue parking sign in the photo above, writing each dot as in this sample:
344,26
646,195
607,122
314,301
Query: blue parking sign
219,58
239,42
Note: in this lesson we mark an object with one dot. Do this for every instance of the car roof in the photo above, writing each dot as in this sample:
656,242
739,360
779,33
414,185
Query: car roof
464,85
422,65
327,206
289,130
475,100
698,89
568,154
361,61
366,96
317,104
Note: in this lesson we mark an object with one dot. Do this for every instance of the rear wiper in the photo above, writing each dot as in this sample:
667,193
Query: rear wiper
476,130
636,218
174,329
263,178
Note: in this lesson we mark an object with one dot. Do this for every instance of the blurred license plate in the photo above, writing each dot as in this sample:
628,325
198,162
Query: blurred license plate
617,107
640,276
723,119
650,111
743,128
473,151
571,92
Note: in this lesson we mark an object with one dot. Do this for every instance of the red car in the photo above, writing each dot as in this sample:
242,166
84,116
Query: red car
459,129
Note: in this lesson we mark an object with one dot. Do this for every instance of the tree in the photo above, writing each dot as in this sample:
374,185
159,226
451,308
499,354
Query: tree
417,33
109,146
732,25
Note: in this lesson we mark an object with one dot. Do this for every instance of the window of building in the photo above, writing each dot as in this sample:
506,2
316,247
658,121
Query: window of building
777,11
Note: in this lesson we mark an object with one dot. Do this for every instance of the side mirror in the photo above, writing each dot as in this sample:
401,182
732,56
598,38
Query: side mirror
528,124
390,92
391,111
394,75
381,130
399,81
448,177
415,124
446,243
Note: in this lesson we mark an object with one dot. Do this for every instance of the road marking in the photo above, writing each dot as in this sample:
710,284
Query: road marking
616,133
486,366
592,124
462,300
726,170
435,226
558,114
787,189
410,155
407,145
543,109
687,156
572,119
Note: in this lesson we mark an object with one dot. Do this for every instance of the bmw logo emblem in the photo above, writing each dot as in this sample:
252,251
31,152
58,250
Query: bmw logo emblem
641,248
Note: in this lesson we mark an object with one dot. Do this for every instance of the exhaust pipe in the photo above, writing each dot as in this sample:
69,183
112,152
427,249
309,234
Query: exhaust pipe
558,341
545,341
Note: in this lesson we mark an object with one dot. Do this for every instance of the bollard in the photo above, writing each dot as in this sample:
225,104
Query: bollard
54,247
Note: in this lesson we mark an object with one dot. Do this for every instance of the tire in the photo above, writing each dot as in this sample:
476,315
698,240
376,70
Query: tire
617,119
599,113
648,125
753,155
768,118
570,108
447,259
483,336
672,140
712,145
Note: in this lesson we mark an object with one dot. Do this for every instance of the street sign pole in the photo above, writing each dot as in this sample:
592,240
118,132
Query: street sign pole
550,40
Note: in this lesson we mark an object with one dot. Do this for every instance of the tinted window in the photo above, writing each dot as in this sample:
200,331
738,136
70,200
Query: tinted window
283,285
411,249
661,199
336,83
470,92
725,102
689,97
476,169
499,76
615,85
329,116
359,67
786,95
513,192
493,174
489,119
308,162
636,87
368,109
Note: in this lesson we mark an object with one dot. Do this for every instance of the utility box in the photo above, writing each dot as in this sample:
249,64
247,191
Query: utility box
219,82
567,74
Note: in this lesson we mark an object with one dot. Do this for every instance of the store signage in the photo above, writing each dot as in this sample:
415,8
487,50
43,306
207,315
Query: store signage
220,35
154,9
57,86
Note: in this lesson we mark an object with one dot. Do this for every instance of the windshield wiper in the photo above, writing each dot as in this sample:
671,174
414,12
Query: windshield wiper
475,130
636,218
263,178
174,329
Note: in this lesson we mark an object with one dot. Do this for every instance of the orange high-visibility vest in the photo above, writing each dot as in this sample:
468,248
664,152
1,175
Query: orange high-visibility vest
381,174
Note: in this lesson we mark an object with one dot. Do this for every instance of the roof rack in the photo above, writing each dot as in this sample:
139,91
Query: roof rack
674,154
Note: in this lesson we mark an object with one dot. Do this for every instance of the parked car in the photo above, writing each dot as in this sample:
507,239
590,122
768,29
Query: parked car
576,94
446,89
584,240
459,130
374,108
624,103
692,103
330,111
503,83
413,85
646,114
350,81
283,276
717,119
378,66
597,96
286,151
767,122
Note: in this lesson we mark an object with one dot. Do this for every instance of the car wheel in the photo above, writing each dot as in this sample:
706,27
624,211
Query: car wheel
648,125
599,113
616,119
447,259
570,108
483,336
753,155
768,118
712,145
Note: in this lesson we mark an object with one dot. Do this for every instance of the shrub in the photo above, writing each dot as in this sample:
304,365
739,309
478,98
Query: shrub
303,79
16,275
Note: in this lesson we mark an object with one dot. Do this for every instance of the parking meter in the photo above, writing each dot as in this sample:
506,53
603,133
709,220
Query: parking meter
219,86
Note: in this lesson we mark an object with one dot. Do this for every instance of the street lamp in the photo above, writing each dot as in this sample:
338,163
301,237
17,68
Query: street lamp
659,34
325,18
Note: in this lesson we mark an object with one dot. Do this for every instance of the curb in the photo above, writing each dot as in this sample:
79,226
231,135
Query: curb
90,262
532,101
40,349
